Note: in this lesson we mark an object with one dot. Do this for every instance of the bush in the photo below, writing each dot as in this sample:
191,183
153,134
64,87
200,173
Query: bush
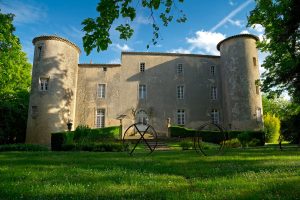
244,138
57,141
272,128
23,147
233,143
185,144
253,143
214,136
81,132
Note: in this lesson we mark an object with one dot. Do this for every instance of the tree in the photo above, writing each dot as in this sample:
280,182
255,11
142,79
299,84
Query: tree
272,128
281,21
97,30
15,80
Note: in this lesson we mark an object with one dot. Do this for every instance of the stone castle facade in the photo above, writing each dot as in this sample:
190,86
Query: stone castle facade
155,88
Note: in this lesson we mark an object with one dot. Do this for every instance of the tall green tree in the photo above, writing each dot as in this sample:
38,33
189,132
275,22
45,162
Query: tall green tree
14,83
281,20
97,31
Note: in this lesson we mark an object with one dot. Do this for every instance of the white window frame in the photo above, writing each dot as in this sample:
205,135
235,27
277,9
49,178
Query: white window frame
101,90
100,118
43,84
142,91
180,92
142,117
212,70
215,116
142,66
179,69
180,117
214,93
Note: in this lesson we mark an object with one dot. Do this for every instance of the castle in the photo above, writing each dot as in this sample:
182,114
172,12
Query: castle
161,89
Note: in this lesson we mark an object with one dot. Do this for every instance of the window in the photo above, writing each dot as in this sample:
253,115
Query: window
34,111
101,90
213,93
100,118
142,91
142,67
180,92
104,69
142,117
179,69
215,116
254,61
257,89
180,117
258,114
44,82
212,70
39,53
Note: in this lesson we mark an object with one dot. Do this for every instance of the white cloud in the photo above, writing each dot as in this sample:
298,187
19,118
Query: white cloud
258,28
244,32
206,41
142,20
24,13
230,15
238,23
125,47
115,61
180,50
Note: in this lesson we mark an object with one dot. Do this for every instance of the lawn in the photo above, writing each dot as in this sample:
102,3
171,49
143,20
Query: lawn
257,173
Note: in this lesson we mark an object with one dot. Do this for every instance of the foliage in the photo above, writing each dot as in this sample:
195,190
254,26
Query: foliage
272,128
213,136
86,139
290,129
14,84
23,147
186,144
244,138
251,174
232,143
281,21
97,31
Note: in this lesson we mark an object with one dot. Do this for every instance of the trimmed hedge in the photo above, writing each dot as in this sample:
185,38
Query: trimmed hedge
23,147
72,140
214,136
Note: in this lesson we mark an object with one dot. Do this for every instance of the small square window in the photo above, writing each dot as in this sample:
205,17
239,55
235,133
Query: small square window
142,67
180,92
104,69
215,116
180,69
44,84
212,70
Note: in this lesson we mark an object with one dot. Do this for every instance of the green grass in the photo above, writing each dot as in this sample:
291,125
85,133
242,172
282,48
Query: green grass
258,173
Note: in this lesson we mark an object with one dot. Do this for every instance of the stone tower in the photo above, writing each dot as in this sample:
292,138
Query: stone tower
53,88
242,105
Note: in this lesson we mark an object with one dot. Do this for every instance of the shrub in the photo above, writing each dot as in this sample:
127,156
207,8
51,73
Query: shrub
272,128
244,138
81,132
254,142
233,143
185,144
23,147
57,141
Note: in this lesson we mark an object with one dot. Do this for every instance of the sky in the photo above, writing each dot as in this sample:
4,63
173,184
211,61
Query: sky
208,22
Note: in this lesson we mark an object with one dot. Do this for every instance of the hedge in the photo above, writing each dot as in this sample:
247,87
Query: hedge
214,136
70,140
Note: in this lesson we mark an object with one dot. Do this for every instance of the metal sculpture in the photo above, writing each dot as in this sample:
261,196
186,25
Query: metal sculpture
138,133
200,141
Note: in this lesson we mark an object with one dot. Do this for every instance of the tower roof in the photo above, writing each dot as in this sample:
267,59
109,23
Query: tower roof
237,36
54,37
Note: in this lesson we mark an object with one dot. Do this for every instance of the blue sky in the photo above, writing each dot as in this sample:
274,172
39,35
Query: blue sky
208,23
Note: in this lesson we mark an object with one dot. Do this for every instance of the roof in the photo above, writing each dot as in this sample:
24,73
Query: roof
54,37
167,54
237,36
